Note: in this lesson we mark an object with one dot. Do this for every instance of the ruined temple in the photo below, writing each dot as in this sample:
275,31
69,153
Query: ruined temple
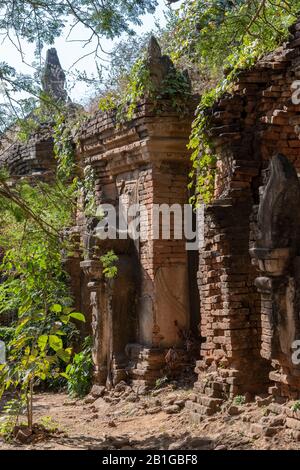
36,157
239,291
137,317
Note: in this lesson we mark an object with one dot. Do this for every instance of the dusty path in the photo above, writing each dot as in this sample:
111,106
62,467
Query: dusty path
147,422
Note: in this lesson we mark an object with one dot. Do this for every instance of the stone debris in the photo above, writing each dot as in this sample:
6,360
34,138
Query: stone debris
97,391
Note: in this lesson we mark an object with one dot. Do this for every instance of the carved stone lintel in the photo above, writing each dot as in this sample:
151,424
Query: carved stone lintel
272,262
92,269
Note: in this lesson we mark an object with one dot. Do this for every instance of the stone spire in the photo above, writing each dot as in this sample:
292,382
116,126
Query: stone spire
53,77
159,65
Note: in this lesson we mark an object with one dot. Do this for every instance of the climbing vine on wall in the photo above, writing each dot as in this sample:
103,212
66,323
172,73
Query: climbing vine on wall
220,36
63,145
138,85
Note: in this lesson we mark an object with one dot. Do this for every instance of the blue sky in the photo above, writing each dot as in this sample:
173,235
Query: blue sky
70,51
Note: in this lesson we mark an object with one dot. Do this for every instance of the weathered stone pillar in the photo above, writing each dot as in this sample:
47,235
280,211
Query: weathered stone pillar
98,300
277,254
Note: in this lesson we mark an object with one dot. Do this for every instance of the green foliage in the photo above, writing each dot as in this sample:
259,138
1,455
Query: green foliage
12,410
238,33
296,406
6,333
177,88
65,130
40,23
87,187
108,102
7,425
49,424
79,372
161,382
138,85
109,260
34,284
239,400
203,170
66,123
64,150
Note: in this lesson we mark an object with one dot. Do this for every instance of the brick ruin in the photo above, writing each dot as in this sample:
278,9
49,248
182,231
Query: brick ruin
249,265
137,317
247,300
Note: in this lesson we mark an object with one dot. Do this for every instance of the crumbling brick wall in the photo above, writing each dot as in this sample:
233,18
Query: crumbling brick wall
32,158
249,125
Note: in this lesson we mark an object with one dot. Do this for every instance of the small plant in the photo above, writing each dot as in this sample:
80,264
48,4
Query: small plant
79,372
12,410
109,260
296,406
87,186
7,426
175,87
239,400
161,382
63,146
265,411
49,424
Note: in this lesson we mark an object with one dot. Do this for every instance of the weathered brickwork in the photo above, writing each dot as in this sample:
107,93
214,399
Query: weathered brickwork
33,158
238,321
145,162
248,273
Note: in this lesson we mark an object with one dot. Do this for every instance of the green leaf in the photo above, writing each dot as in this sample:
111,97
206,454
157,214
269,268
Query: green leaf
64,319
56,308
77,316
55,343
60,333
21,326
65,375
42,342
64,355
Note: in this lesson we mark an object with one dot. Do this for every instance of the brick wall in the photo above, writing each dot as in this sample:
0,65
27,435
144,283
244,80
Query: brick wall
252,123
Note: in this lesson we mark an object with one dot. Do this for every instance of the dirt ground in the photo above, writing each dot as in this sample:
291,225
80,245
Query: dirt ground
158,420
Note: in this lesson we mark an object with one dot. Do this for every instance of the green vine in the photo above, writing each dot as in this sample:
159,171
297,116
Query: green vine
87,186
175,88
203,173
63,145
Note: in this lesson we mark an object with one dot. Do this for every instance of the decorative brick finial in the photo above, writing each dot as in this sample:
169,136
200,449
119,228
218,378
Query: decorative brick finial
53,77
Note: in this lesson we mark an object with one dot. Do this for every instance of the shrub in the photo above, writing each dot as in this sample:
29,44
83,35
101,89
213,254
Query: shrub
79,372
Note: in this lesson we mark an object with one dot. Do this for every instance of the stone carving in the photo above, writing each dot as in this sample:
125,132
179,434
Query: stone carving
276,251
92,269
278,218
53,78
278,215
